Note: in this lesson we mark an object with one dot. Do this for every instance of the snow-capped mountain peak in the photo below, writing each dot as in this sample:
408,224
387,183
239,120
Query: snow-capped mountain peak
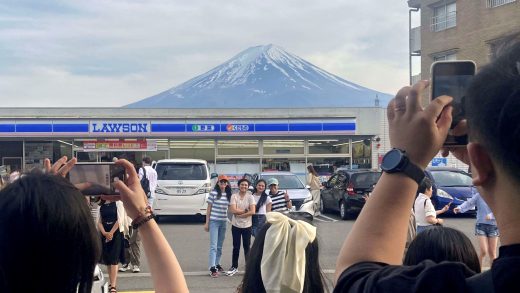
260,74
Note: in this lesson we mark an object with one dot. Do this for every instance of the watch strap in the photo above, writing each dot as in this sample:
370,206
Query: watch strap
413,171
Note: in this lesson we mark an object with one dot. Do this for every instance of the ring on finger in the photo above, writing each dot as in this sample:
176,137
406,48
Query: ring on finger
400,108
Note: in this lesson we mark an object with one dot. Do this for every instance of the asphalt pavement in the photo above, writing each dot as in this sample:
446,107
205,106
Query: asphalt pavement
190,243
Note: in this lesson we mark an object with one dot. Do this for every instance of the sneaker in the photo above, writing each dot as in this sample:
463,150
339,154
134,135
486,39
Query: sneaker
136,269
125,268
220,269
213,272
232,271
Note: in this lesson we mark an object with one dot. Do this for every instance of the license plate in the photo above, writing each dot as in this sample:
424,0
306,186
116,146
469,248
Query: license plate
181,191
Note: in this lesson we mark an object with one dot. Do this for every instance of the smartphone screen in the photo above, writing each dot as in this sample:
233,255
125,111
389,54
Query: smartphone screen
452,78
98,176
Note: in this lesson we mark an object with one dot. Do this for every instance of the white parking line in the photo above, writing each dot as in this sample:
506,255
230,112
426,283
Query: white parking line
199,273
328,218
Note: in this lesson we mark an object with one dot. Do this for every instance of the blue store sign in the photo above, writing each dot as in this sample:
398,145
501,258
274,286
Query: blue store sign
439,162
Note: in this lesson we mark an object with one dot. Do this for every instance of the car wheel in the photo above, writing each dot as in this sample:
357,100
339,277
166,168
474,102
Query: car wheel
322,206
343,210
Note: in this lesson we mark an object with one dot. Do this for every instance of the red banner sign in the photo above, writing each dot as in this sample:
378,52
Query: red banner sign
120,145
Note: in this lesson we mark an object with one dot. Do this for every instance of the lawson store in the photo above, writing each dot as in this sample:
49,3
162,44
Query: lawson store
233,141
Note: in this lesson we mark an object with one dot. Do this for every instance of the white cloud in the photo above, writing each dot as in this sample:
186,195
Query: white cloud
110,53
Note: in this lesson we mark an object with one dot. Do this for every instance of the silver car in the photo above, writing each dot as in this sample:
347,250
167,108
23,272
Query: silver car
300,195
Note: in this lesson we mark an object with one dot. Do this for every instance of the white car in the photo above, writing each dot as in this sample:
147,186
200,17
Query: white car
183,185
300,195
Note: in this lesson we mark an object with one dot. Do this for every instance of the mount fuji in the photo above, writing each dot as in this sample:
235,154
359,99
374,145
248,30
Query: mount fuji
265,77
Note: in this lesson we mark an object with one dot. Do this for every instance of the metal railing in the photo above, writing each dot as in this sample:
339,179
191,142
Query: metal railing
442,22
496,3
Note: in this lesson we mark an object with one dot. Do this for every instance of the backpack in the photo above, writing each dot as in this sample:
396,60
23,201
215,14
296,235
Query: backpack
145,184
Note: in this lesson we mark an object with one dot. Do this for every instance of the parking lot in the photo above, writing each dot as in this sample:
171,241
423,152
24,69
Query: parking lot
190,243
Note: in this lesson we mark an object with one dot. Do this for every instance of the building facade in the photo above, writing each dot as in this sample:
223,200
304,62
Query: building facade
461,30
233,141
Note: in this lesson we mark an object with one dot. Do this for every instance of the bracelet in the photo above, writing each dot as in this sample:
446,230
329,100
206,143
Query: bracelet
141,219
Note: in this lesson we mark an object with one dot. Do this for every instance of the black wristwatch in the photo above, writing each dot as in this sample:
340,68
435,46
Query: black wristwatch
396,161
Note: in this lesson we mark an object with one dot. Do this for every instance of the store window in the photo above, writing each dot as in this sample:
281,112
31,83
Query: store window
237,147
362,154
325,167
283,147
11,155
329,146
293,165
193,149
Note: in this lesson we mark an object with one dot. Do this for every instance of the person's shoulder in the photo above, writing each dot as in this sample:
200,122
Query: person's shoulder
423,277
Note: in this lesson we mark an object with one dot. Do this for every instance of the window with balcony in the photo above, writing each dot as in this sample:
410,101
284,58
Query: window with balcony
444,17
496,3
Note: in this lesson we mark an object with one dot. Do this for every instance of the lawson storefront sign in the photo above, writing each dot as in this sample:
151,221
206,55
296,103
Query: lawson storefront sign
171,128
141,127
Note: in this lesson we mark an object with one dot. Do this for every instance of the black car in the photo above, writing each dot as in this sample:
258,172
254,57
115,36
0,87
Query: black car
346,191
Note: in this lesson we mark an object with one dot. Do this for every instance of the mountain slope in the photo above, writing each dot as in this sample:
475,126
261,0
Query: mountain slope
265,77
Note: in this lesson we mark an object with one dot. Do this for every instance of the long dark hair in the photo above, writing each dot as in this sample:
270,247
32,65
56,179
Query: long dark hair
311,170
219,192
263,196
46,220
252,281
438,243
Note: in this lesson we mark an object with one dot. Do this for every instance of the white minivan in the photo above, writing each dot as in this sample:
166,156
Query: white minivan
183,186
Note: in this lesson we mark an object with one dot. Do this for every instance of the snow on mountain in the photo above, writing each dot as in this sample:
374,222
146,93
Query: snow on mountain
265,77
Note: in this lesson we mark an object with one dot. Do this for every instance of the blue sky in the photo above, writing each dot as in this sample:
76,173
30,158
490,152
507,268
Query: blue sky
111,53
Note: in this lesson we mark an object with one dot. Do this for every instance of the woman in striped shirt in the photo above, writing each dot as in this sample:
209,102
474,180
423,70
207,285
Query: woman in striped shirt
216,220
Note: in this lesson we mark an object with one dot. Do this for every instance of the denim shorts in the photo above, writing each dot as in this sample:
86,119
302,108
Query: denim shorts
486,230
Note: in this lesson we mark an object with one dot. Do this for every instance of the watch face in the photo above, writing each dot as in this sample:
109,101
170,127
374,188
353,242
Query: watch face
391,160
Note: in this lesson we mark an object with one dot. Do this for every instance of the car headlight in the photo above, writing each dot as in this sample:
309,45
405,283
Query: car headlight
444,194
307,199
158,190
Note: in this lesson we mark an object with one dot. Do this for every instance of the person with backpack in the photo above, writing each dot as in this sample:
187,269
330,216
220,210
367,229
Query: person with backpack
148,178
425,213
370,259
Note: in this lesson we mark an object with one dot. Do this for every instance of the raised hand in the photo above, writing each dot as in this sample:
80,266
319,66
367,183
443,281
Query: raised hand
420,132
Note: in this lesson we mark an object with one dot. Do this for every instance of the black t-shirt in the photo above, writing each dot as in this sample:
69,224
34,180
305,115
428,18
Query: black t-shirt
428,276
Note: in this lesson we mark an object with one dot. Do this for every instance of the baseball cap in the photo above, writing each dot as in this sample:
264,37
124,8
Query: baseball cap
222,177
272,181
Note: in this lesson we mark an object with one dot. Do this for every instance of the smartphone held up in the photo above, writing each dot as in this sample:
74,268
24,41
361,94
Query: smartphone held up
452,78
97,179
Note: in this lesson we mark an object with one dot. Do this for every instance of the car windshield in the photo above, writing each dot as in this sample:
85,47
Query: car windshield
365,179
286,181
181,171
451,178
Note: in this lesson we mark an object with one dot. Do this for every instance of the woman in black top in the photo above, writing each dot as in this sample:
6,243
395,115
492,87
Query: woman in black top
112,241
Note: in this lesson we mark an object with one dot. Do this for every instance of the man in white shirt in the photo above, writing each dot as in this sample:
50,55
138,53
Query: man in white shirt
151,174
